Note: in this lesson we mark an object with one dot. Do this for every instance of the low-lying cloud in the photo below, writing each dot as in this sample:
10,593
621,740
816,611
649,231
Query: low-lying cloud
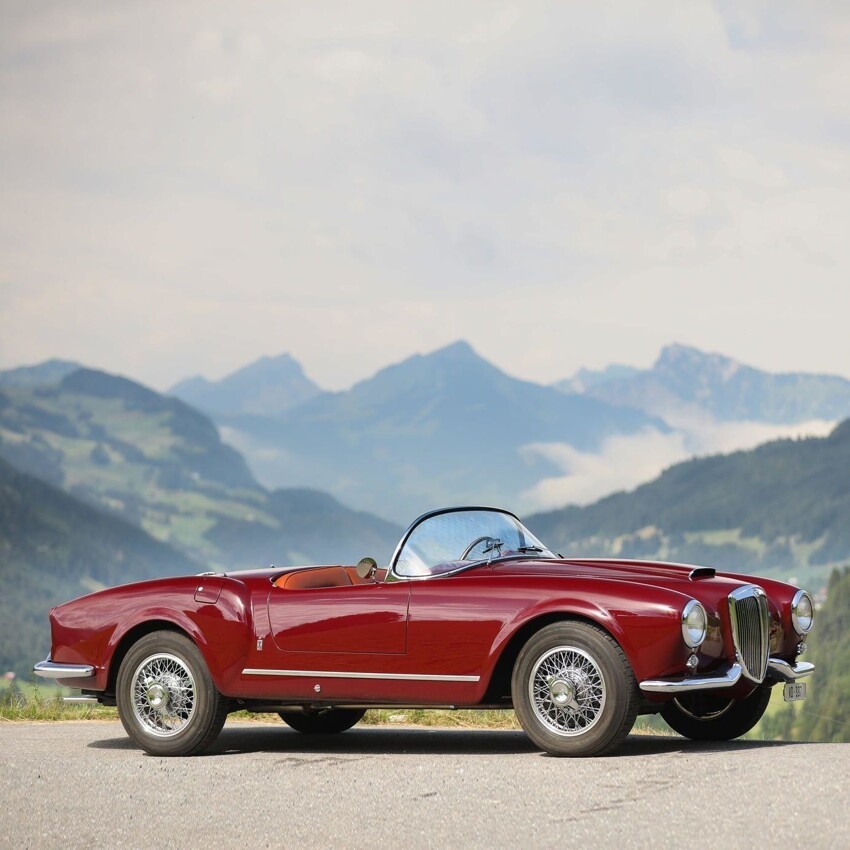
624,462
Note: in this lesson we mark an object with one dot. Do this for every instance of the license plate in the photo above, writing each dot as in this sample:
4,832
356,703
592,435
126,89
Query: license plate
794,691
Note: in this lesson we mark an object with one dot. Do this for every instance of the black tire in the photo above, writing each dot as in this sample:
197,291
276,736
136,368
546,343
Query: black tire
588,667
322,722
706,716
167,668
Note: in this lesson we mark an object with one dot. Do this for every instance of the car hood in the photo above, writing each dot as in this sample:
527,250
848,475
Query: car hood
702,583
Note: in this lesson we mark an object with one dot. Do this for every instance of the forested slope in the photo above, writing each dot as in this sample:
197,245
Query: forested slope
53,548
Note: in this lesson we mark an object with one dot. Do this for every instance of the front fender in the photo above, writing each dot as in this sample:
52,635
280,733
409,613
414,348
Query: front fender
645,622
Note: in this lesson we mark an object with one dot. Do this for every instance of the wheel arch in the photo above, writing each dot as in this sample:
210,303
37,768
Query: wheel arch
499,680
132,636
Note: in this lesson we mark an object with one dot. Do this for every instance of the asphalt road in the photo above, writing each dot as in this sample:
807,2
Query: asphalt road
82,784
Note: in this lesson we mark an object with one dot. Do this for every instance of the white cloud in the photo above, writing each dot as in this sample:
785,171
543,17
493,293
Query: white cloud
624,462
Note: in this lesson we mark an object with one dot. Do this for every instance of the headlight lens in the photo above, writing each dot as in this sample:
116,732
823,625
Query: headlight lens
694,624
802,612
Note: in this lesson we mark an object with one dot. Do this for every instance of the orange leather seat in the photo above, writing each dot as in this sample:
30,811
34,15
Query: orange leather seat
319,577
326,577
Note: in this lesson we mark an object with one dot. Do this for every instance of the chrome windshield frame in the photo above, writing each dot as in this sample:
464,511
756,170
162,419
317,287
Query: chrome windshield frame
393,575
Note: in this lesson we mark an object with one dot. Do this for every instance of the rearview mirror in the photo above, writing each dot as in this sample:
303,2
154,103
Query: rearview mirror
366,568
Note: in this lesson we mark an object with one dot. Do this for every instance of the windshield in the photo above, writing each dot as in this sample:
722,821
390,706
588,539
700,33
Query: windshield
448,541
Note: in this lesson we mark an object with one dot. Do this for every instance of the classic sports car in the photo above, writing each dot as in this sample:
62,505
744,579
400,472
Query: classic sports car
473,612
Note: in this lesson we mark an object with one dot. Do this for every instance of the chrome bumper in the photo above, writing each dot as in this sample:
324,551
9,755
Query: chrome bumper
781,671
48,669
777,671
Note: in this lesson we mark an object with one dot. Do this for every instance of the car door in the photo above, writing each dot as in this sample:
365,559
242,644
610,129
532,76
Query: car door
360,619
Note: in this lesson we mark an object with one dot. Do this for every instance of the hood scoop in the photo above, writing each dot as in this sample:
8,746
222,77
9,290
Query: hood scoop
702,572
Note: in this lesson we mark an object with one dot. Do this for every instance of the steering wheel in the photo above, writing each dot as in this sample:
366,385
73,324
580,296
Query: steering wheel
492,540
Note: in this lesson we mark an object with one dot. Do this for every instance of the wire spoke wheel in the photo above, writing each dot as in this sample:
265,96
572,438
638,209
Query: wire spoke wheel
166,697
573,690
567,690
163,694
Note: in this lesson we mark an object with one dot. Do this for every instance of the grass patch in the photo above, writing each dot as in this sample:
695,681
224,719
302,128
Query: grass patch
16,704
461,718
33,704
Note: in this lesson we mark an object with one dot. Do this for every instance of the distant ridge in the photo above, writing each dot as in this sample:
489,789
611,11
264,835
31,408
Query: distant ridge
685,381
48,372
267,387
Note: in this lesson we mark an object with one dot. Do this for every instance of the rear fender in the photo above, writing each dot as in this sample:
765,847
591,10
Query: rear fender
99,629
221,630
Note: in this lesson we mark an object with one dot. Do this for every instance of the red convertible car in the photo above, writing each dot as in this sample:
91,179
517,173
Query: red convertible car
473,611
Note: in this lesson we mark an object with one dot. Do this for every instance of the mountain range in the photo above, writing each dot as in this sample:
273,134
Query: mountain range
685,384
445,427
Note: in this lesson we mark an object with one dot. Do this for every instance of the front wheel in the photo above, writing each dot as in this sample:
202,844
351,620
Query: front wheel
328,722
166,698
703,716
574,691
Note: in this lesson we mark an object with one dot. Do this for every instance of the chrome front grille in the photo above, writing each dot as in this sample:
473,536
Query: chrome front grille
750,629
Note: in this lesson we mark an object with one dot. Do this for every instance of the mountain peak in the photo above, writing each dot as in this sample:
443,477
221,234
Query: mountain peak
456,360
679,358
460,349
679,353
49,372
266,387
281,363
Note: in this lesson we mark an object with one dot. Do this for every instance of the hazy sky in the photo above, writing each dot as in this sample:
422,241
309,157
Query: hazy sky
187,186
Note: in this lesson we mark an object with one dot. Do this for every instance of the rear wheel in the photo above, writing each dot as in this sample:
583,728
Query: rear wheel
328,722
166,698
703,716
574,691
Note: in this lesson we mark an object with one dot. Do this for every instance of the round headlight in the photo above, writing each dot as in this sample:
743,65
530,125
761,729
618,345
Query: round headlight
694,624
802,612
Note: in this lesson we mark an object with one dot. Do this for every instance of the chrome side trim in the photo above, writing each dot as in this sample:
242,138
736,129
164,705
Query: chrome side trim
725,679
80,700
48,669
333,674
781,671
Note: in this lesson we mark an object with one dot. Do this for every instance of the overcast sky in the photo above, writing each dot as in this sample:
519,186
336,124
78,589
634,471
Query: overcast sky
187,186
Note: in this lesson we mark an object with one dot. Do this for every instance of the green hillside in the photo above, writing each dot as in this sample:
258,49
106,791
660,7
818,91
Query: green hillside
160,464
54,548
825,715
781,508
